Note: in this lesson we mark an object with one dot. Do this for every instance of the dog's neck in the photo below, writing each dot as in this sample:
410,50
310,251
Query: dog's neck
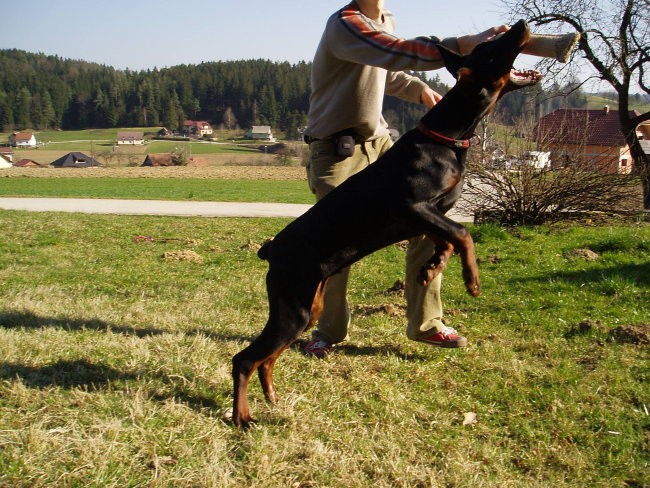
455,116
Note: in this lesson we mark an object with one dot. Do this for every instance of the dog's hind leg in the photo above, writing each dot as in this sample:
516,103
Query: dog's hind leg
261,354
265,369
290,315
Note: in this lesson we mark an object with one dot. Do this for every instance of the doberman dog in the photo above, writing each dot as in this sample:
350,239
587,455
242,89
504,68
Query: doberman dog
405,193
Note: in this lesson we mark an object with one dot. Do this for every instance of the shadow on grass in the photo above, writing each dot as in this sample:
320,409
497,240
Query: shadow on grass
14,319
354,350
65,374
638,274
93,377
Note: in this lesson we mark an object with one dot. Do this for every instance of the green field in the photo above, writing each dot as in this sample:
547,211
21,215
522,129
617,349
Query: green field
115,366
97,141
276,191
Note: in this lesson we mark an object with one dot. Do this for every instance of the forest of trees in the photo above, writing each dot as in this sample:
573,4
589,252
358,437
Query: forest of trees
41,92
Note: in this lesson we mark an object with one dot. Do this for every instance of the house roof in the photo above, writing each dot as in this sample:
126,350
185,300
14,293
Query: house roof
24,136
74,160
135,136
261,128
196,123
158,159
6,150
582,126
27,162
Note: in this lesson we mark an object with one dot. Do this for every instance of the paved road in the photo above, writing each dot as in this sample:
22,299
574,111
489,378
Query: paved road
166,207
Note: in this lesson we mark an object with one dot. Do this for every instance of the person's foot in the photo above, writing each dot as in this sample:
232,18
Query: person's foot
318,348
447,338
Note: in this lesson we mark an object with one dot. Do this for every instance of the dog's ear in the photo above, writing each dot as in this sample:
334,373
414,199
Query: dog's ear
451,59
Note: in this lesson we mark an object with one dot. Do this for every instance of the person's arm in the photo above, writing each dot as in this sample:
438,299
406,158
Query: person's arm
353,38
411,89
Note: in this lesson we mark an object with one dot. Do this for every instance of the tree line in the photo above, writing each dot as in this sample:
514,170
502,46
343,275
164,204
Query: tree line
42,92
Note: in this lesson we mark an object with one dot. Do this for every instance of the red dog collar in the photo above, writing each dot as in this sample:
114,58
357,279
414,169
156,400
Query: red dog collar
448,141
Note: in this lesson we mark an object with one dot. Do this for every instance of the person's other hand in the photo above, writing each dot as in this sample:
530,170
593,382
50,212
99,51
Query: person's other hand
467,43
429,97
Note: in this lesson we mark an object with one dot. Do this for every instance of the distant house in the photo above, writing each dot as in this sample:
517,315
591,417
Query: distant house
130,138
197,127
74,160
4,163
22,139
28,163
159,159
591,139
260,133
7,153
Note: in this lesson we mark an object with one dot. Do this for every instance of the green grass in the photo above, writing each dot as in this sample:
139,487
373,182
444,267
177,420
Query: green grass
115,364
89,134
195,148
98,140
597,102
280,191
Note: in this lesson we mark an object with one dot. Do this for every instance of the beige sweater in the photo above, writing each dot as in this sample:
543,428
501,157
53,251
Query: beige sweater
356,63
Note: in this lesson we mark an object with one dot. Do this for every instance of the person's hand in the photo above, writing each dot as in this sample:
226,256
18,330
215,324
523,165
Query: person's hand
467,43
429,97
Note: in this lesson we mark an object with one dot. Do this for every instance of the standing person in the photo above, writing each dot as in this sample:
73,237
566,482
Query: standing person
358,60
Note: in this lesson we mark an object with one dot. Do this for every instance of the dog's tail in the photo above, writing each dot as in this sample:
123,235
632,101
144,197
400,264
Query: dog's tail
264,251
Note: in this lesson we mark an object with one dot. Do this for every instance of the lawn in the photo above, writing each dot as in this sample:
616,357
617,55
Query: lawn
280,191
115,366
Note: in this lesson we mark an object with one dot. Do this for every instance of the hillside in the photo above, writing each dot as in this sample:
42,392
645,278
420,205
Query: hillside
43,92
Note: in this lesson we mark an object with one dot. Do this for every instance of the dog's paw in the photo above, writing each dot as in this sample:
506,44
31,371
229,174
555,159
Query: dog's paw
427,274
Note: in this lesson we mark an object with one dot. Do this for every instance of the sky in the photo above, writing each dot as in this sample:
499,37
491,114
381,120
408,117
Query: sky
143,34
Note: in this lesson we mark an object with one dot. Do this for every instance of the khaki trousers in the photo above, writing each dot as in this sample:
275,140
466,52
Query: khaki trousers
325,171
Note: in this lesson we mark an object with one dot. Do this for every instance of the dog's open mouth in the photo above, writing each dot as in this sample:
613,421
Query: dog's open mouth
525,77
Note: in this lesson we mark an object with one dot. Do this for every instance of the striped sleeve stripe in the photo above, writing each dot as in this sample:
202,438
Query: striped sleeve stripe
421,48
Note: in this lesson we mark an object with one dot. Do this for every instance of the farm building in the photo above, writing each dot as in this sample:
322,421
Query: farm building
593,138
74,160
158,159
260,133
130,138
7,153
22,139
4,163
28,163
197,127
167,159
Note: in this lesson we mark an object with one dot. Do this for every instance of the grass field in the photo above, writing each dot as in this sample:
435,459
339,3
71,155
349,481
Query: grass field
229,148
224,190
115,366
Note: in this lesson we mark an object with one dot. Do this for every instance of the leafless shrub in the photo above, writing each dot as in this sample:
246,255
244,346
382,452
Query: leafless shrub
515,188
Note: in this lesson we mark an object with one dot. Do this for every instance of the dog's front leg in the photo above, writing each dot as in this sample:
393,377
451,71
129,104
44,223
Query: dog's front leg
437,263
443,229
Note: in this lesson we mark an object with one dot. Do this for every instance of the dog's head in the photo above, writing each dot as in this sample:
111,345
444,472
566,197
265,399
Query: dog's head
487,71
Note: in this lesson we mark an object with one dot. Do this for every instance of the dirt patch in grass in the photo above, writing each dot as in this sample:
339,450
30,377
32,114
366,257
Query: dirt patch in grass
183,255
242,172
631,334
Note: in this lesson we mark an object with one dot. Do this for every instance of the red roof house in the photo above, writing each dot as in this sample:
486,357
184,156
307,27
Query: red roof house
197,127
591,139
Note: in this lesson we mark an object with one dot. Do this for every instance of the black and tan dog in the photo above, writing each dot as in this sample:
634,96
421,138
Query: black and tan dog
404,194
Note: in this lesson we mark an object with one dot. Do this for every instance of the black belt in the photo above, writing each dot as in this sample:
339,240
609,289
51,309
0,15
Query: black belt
309,139
346,132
